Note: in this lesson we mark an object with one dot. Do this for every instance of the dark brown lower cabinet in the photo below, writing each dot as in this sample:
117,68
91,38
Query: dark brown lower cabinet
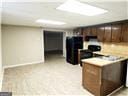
101,81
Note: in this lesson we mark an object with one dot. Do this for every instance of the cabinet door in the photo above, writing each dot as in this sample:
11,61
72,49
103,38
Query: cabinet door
86,32
116,32
93,31
107,34
100,33
80,31
124,36
91,78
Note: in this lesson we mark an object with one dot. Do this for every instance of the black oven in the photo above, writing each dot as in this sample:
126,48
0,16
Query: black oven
84,54
88,53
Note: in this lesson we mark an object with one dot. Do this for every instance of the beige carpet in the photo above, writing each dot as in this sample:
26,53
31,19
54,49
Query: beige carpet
54,77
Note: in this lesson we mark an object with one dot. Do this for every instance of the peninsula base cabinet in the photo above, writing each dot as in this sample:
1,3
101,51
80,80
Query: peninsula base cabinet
102,81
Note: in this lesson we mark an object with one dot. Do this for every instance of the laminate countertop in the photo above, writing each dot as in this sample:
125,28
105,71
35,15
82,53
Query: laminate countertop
102,62
112,53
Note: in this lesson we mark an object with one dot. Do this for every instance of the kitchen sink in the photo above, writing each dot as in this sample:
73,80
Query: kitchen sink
109,57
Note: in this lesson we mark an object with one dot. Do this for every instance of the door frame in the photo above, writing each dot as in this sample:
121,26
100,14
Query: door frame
64,38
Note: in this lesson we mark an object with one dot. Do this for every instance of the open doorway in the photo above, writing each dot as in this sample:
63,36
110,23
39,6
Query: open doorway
53,44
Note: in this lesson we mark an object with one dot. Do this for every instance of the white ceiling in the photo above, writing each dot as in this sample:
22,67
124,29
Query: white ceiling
26,13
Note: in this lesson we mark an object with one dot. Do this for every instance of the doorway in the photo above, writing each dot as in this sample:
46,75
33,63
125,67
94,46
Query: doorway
53,44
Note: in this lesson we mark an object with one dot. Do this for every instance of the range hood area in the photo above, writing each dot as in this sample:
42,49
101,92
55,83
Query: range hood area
89,37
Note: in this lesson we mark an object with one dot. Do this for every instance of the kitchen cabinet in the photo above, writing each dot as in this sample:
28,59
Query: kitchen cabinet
93,31
86,32
89,31
100,33
103,79
107,33
91,76
124,34
116,32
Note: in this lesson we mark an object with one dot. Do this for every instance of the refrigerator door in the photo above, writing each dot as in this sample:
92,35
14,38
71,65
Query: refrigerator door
72,45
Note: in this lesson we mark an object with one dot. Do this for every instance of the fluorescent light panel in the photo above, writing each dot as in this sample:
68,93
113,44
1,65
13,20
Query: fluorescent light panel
50,22
80,8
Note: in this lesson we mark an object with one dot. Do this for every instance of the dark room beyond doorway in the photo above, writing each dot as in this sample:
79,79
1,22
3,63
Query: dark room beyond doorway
53,44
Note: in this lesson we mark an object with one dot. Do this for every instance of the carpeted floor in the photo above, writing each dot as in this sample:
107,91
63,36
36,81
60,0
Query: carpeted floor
54,77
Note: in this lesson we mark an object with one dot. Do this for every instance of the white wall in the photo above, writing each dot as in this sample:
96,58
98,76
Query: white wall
21,45
67,33
127,9
1,74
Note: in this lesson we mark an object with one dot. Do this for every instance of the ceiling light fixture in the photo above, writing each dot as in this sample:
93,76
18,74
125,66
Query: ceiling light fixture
50,22
80,8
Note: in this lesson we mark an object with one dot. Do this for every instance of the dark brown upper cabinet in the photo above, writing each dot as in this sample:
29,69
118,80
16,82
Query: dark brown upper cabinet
100,33
107,33
89,31
124,34
116,32
93,31
86,32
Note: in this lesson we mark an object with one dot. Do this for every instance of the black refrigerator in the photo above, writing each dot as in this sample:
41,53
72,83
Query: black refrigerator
72,45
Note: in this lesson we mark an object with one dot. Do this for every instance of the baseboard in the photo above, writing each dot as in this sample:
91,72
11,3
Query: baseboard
17,65
1,79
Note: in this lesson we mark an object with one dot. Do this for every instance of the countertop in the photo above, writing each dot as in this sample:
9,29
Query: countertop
110,53
101,62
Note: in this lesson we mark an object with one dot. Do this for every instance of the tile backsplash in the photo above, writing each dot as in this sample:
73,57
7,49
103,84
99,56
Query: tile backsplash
116,48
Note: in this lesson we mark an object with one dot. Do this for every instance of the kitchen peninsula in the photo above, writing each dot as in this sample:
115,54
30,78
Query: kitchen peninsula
104,74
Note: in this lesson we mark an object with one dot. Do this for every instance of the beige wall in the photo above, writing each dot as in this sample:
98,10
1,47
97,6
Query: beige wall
1,74
65,34
127,9
0,52
21,45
